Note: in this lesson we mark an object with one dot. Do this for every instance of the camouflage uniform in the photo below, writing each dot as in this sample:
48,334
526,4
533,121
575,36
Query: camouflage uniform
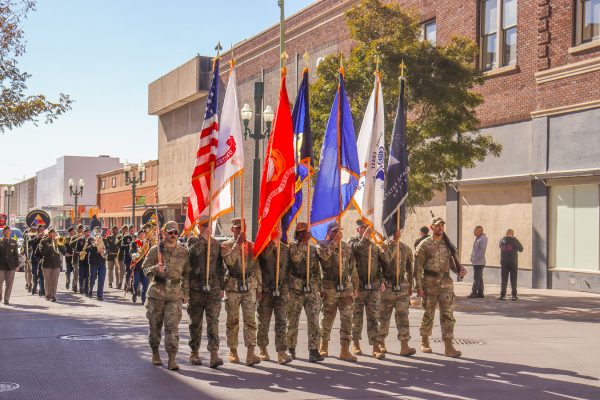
311,301
392,300
432,274
367,300
205,302
165,294
270,304
329,257
231,253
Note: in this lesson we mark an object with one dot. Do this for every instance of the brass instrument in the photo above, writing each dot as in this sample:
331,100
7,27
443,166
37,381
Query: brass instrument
61,240
99,244
83,252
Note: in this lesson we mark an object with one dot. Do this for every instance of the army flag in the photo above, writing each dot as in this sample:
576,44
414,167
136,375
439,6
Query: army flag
396,176
338,169
368,198
277,188
303,152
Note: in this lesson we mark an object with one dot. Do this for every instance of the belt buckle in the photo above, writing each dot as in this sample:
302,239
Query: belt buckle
206,288
340,287
397,288
243,287
306,289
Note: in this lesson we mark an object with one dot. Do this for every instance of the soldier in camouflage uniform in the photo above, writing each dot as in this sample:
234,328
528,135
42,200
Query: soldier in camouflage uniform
368,291
168,290
205,299
335,296
241,292
434,285
398,289
304,294
273,300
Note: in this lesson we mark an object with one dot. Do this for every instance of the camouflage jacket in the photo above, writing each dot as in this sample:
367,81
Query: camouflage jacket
297,267
328,254
197,249
388,257
9,255
173,283
433,256
267,260
50,254
360,249
231,252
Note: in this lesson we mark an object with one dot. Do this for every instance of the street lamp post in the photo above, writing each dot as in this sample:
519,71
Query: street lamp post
76,192
134,180
257,135
8,193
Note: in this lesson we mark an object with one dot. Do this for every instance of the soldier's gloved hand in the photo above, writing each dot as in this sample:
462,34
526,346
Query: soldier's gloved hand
421,293
462,273
241,238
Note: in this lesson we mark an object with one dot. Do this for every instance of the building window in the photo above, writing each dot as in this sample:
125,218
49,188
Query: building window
103,184
498,33
429,31
587,21
143,176
575,227
114,181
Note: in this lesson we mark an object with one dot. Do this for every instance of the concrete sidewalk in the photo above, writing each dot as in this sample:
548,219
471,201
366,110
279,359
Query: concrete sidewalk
543,346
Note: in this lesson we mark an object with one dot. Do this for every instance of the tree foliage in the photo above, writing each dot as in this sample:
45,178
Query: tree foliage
17,107
441,93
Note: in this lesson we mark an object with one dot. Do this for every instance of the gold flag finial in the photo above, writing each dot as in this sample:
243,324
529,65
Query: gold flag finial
306,58
284,56
402,69
218,48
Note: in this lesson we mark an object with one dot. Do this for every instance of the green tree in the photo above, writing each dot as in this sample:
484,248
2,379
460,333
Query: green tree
441,82
17,107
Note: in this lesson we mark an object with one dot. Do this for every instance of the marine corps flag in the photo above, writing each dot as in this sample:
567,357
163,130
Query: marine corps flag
278,175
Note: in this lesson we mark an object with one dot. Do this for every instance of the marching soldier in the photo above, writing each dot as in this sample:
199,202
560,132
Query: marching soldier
368,291
304,292
83,245
338,291
121,256
434,285
205,295
273,300
9,261
111,258
170,275
25,251
51,254
242,288
36,268
397,274
69,257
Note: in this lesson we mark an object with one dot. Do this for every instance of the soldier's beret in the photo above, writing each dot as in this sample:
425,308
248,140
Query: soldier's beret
437,221
333,226
236,222
171,226
301,226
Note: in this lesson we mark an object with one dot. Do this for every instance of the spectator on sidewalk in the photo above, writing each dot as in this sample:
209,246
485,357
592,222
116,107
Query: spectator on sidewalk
424,232
509,263
478,262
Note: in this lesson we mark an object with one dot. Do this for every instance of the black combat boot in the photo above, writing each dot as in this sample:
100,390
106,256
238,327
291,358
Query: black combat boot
314,355
292,352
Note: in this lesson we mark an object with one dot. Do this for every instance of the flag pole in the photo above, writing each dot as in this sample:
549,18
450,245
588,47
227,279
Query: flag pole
402,67
306,60
339,218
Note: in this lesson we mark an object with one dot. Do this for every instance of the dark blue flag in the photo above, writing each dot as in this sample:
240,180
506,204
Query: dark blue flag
396,176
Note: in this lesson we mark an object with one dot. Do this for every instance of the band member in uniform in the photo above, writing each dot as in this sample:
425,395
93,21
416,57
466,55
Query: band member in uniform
126,253
9,262
27,235
97,262
139,249
75,258
36,269
83,245
51,254
111,258
121,256
69,257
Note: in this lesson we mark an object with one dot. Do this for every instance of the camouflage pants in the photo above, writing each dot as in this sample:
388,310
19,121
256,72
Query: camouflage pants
267,306
331,303
167,313
200,304
397,302
367,300
311,303
438,291
247,301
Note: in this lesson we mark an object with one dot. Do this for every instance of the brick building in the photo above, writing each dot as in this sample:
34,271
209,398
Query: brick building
542,103
115,197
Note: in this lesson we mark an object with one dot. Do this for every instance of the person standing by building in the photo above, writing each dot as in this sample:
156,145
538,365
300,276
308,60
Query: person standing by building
478,262
114,273
9,262
509,263
423,234
51,255
242,288
205,300
169,290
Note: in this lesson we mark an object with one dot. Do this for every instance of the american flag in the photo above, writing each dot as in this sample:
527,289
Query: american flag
206,154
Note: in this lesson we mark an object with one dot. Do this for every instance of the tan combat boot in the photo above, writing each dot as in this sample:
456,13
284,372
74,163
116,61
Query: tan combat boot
195,358
264,355
345,354
425,348
377,353
405,350
324,350
382,347
233,356
215,361
283,358
449,349
251,358
156,357
172,364
356,347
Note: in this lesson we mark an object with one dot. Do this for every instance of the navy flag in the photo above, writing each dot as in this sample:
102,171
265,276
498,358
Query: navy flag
396,176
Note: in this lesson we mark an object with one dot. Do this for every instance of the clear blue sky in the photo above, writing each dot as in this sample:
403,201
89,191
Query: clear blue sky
104,54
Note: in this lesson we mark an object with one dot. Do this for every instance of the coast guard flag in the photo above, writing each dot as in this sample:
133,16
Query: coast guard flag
369,194
338,170
303,152
278,175
396,176
205,155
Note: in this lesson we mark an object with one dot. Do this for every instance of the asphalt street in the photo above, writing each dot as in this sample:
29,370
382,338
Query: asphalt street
543,346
